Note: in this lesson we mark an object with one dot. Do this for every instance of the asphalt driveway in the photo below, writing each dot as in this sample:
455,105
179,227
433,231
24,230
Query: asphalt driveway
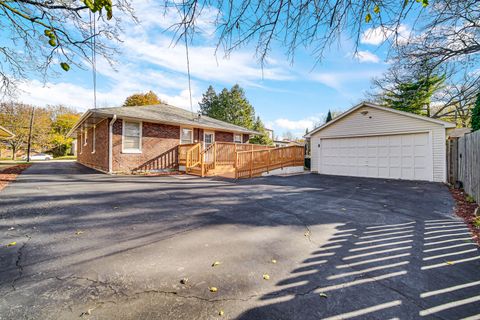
106,247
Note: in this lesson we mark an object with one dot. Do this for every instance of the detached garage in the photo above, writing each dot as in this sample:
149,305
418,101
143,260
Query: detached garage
377,142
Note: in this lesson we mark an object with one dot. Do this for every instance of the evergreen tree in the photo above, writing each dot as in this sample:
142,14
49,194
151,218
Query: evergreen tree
329,117
476,114
263,138
414,96
209,101
230,106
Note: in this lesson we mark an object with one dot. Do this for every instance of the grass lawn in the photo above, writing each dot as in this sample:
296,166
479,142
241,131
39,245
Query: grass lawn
66,158
10,163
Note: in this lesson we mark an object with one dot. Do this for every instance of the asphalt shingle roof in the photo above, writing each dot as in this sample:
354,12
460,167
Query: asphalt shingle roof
168,114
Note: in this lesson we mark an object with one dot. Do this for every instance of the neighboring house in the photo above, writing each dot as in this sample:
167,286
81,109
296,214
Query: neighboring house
286,143
269,133
122,139
5,134
373,141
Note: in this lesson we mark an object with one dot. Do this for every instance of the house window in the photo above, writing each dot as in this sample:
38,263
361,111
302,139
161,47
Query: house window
93,140
237,138
131,137
186,135
85,137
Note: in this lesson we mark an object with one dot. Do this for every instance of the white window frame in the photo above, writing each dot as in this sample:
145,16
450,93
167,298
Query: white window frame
93,138
241,138
85,138
188,128
139,150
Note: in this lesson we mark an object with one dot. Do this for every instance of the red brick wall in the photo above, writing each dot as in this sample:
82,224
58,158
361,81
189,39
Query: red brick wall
98,159
222,136
156,139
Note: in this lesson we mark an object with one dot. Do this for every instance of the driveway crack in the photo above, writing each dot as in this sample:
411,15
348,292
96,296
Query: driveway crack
18,262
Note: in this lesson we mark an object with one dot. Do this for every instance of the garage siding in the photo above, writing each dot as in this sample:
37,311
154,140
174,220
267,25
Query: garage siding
380,122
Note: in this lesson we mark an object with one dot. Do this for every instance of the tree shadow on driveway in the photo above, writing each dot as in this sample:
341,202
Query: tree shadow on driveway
84,238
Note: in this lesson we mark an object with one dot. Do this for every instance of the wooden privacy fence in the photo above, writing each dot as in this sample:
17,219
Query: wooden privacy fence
463,163
255,162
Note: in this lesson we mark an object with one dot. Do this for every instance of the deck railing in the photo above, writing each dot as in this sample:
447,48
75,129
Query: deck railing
207,158
249,160
194,157
167,160
225,153
182,153
255,162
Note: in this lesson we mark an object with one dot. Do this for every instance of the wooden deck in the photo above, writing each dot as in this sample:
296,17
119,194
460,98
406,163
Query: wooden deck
234,160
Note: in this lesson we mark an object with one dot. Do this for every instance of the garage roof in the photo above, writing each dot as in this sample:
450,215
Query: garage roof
376,106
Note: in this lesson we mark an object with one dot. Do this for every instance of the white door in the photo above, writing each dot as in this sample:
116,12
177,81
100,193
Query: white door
406,156
208,140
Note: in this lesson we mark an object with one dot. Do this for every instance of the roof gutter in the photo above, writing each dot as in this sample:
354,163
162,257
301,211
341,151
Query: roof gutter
110,144
79,122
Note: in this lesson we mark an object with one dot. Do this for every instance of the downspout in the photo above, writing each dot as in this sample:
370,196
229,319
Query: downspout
110,144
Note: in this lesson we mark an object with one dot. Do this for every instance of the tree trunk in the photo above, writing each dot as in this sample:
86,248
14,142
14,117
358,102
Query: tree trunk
14,151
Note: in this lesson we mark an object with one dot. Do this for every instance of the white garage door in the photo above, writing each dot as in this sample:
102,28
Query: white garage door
395,156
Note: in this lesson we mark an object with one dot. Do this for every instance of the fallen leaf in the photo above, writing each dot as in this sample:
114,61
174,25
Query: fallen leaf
184,281
11,244
221,313
323,295
87,313
78,232
213,289
307,233
274,261
266,277
216,263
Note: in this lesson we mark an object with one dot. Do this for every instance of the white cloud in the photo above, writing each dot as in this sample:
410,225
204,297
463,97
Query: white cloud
239,66
366,56
81,98
293,125
340,80
378,35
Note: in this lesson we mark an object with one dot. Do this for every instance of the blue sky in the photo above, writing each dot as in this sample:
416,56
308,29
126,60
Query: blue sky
286,97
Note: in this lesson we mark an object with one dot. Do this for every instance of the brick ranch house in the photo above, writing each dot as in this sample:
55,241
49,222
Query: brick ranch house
125,139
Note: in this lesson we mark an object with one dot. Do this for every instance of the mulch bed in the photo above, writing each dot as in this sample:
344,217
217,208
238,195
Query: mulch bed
466,211
10,174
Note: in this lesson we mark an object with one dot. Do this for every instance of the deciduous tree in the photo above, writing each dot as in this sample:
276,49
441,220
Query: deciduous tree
142,99
40,37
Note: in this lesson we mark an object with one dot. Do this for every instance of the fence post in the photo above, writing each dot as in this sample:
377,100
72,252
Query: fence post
251,162
236,165
268,161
